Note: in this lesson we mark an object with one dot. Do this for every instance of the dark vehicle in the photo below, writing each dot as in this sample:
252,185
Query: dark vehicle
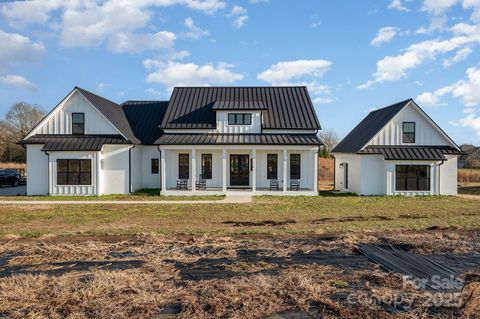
9,177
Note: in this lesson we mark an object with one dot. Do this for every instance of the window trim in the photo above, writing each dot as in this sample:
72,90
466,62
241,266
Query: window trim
429,178
414,132
236,117
79,172
74,123
203,166
155,167
275,172
299,165
180,166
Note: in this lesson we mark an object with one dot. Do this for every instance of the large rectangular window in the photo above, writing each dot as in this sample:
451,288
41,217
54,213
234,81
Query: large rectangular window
154,166
183,166
294,166
272,166
207,166
412,177
408,132
78,123
74,172
239,119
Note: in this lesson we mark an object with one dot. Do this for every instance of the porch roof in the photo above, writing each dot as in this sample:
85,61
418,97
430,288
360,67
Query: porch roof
411,152
238,139
74,142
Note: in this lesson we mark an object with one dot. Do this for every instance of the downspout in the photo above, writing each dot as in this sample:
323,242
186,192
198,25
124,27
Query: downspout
160,166
439,180
48,171
334,173
130,168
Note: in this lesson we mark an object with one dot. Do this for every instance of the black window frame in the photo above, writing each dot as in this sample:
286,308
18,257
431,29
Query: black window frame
207,166
79,176
412,176
295,172
408,137
76,124
272,166
183,169
240,119
155,166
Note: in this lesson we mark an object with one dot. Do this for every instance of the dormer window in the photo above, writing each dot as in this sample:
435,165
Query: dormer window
239,119
78,123
408,134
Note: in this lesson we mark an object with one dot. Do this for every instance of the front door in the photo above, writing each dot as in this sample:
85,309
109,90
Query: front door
239,170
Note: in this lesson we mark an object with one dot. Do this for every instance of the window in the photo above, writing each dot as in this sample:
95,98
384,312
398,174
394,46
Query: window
183,166
408,132
294,166
74,172
272,166
239,119
78,123
154,166
412,177
207,166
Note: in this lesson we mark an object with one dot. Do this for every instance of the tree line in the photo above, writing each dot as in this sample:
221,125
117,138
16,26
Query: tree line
20,119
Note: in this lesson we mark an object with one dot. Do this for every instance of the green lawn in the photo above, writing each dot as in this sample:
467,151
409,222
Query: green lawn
266,215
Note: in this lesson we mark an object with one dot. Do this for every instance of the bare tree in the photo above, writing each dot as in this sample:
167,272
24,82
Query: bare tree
18,122
330,139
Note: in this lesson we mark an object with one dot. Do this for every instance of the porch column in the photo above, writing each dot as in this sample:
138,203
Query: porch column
315,170
224,170
254,170
162,170
285,177
194,170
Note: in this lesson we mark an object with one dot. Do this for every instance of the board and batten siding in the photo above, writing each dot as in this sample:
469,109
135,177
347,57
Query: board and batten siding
60,120
223,127
37,172
426,133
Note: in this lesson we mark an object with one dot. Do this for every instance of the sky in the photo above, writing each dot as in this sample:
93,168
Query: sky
354,56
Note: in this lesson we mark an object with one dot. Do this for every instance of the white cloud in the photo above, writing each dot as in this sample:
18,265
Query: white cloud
17,80
125,42
397,5
475,6
471,121
194,32
461,55
173,74
286,71
240,16
438,7
16,49
102,85
384,35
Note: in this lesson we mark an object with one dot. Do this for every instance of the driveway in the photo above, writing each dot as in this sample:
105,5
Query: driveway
12,191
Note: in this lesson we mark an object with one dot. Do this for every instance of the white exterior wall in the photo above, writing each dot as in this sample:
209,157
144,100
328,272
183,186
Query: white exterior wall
262,180
372,175
223,127
448,176
149,180
354,170
37,172
72,189
114,170
136,167
60,120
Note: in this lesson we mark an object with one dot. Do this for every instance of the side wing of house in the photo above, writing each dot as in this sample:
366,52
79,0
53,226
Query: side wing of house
78,150
406,153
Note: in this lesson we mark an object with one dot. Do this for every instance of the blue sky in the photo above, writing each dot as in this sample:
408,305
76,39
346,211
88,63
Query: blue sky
354,56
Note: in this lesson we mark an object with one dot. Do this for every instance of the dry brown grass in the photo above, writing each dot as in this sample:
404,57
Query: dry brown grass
466,176
13,165
255,290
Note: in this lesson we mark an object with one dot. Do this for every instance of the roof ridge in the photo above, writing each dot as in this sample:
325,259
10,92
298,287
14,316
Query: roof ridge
393,104
241,87
82,89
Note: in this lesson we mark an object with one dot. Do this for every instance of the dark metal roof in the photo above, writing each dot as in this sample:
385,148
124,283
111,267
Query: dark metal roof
145,118
238,105
368,128
74,142
411,152
287,107
112,111
238,139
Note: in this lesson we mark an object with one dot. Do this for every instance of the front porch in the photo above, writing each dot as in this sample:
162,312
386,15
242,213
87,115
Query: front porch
229,170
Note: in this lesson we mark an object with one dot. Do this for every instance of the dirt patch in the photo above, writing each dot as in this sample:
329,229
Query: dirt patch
351,219
260,223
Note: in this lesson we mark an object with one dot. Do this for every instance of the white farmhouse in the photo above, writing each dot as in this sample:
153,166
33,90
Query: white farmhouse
204,140
397,150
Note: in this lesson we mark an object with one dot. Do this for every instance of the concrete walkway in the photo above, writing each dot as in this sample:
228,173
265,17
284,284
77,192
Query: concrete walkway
229,199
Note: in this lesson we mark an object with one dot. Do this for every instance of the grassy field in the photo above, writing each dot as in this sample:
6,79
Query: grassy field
265,215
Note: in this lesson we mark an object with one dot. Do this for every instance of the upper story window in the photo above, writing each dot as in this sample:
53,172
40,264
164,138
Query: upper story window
78,123
408,133
239,119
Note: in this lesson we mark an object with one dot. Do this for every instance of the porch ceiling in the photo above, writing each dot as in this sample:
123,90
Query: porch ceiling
238,139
